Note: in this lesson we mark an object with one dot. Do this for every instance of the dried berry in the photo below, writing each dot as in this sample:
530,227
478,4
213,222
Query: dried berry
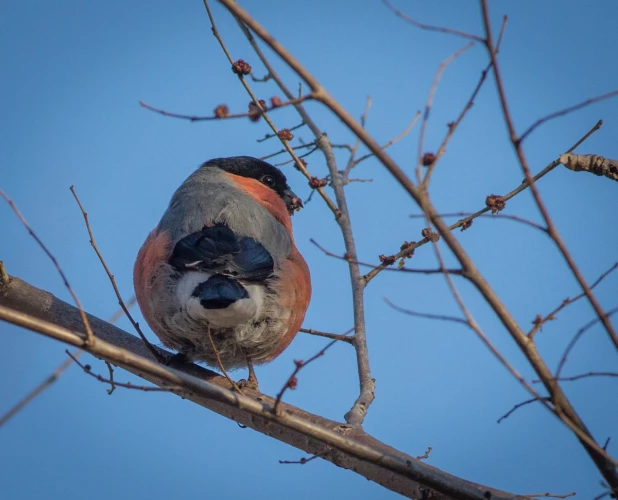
495,203
241,67
275,102
254,110
408,249
222,111
315,183
293,383
285,135
387,260
430,234
428,159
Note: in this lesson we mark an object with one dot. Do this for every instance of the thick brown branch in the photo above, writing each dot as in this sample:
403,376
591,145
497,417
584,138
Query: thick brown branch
594,164
37,310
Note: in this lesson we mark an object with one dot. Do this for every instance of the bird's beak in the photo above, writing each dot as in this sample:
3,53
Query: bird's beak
292,201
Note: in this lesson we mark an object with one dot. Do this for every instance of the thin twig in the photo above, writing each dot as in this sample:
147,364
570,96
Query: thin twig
452,127
354,149
408,248
476,277
549,495
343,337
576,337
298,163
425,455
120,313
429,103
90,338
402,269
467,216
562,405
112,280
302,461
440,317
220,363
292,381
88,369
566,111
111,378
270,136
580,376
45,384
539,321
519,405
353,163
551,227
429,27
38,389
282,151
366,395
229,116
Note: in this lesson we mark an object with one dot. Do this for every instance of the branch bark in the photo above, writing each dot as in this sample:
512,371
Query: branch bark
348,447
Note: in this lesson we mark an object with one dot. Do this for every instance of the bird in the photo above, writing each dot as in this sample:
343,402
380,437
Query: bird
220,280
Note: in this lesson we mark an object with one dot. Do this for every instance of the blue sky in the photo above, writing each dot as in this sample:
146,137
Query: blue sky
73,73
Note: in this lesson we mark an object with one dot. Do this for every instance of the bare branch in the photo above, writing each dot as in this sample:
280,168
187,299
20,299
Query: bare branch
519,405
468,217
402,269
344,337
37,390
581,376
454,125
539,321
39,311
429,27
298,163
440,317
567,414
575,338
559,399
302,461
113,384
550,495
112,280
594,164
292,381
551,227
221,111
89,335
429,103
566,111
366,396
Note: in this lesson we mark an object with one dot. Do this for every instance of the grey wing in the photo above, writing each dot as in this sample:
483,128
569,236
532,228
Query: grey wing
210,200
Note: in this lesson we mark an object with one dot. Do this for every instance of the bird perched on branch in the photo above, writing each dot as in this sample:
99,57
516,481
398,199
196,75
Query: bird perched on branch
222,265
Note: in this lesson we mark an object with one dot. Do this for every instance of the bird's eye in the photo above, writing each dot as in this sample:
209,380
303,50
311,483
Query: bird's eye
268,180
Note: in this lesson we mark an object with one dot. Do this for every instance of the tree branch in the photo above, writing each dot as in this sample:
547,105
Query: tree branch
350,448
565,411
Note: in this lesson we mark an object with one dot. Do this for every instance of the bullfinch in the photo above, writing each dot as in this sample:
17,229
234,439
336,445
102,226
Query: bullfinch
223,259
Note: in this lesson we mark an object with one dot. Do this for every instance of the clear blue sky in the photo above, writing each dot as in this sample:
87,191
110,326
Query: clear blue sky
73,73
